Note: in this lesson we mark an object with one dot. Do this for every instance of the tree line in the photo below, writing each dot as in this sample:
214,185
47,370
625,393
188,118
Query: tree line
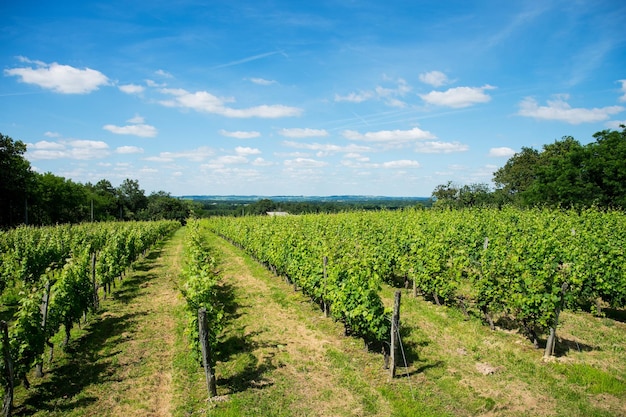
29,197
561,174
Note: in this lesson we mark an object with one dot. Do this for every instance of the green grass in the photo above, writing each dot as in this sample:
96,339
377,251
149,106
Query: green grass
278,356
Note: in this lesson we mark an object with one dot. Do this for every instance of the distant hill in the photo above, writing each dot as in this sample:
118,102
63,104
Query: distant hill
300,198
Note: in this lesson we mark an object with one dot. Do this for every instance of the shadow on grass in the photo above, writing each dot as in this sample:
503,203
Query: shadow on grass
226,297
83,365
250,373
240,349
615,314
564,346
87,359
130,287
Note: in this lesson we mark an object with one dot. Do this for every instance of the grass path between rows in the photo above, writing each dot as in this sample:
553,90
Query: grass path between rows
278,356
281,357
121,362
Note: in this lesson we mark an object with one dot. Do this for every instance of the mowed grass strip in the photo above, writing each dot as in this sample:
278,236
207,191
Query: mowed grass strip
499,373
278,355
120,363
455,367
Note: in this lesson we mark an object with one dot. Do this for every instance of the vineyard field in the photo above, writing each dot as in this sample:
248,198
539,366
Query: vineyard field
298,311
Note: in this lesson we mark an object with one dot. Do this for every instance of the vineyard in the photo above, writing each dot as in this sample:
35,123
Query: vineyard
525,265
284,334
51,277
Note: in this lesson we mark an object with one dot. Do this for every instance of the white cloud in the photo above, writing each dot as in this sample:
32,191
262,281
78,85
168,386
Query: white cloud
403,163
45,145
52,135
125,150
558,109
222,161
68,149
501,152
152,83
302,133
136,119
402,88
388,95
300,163
440,147
260,162
194,155
240,134
262,81
131,88
357,156
355,97
164,74
434,78
623,97
292,154
458,97
615,124
327,148
88,149
59,78
141,130
240,150
203,101
390,137
394,102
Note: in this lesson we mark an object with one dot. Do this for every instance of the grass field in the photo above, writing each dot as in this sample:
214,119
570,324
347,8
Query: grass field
278,356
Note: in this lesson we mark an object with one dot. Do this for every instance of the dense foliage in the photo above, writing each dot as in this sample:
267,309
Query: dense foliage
562,174
200,287
49,277
296,246
505,262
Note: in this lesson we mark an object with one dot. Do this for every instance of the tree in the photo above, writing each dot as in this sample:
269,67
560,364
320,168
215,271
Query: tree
456,196
132,199
516,176
105,200
162,206
606,167
560,176
58,200
15,179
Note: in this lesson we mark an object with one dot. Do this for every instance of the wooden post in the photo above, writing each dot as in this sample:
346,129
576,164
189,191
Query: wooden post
94,283
203,333
551,343
44,319
325,261
9,377
395,323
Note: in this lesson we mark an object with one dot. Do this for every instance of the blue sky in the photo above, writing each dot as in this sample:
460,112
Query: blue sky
304,98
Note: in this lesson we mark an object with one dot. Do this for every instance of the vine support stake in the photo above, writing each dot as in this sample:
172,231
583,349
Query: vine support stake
395,324
551,343
8,377
45,300
94,283
325,261
203,333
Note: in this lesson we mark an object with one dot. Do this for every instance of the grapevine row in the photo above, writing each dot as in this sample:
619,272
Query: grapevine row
322,259
200,290
523,264
49,278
